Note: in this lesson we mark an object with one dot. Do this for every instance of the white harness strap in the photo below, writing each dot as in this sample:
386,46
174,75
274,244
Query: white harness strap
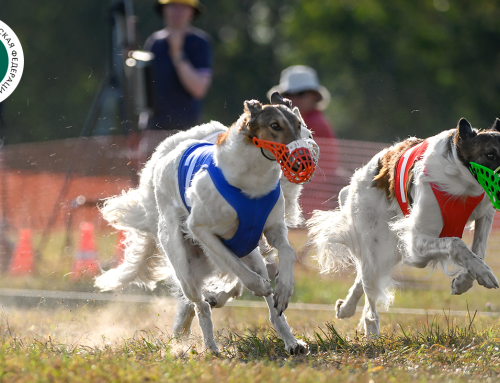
402,174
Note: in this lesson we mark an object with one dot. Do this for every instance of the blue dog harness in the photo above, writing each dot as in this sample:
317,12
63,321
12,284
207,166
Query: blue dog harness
252,212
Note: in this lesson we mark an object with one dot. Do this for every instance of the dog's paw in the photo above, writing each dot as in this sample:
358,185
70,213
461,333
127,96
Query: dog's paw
211,298
461,284
181,332
298,348
260,287
488,280
342,310
212,348
484,276
282,295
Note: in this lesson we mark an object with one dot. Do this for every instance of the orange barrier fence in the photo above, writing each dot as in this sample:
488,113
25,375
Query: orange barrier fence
32,177
337,162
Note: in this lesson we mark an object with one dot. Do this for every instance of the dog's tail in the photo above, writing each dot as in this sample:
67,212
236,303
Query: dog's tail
331,240
143,263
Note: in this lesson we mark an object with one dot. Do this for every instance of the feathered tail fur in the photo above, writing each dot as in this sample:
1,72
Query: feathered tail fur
330,240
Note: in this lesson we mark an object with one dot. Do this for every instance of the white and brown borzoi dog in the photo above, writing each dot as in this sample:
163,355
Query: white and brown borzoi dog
180,235
371,231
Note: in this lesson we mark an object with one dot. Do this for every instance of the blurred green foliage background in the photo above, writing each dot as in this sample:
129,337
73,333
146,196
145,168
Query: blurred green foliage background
394,68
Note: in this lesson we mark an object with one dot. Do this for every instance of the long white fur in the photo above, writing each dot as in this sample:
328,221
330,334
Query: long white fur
370,232
154,217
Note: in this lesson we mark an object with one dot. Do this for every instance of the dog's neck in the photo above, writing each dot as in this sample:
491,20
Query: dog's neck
243,164
450,173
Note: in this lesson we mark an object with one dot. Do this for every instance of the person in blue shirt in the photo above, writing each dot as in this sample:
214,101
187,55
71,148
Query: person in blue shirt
181,68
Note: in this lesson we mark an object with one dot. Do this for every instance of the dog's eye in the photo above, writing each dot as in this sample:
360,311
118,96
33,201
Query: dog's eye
491,156
276,126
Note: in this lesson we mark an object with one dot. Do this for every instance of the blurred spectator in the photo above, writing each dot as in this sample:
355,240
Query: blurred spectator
300,84
181,68
182,73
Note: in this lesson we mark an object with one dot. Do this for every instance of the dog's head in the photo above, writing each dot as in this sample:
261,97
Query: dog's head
481,147
480,153
276,122
277,130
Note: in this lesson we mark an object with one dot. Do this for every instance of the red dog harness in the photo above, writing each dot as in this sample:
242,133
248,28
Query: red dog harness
455,210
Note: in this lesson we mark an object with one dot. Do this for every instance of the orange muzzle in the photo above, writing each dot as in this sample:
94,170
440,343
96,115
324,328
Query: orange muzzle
295,159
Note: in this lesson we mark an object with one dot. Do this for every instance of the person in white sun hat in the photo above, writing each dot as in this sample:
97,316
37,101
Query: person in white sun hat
300,84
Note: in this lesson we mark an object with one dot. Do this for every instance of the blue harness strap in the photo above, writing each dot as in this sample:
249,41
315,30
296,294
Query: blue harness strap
252,212
195,158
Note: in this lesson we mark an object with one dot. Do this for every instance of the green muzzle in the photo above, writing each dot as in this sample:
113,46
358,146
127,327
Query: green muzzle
489,181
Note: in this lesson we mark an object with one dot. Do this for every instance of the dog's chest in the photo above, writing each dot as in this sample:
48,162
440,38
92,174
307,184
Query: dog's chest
238,219
222,217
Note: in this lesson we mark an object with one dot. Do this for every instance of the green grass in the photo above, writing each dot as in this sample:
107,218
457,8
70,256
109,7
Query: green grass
132,343
439,350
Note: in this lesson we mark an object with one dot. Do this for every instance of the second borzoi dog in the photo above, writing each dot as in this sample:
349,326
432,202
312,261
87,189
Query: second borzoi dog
410,204
195,229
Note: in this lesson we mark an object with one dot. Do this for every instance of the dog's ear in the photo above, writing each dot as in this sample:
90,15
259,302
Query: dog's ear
496,125
277,99
296,111
297,114
253,108
465,130
304,132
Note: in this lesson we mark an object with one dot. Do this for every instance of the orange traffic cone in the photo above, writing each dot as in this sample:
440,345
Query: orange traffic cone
120,247
22,260
85,260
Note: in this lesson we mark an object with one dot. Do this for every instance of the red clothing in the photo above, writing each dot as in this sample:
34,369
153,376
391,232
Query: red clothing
316,121
455,210
325,182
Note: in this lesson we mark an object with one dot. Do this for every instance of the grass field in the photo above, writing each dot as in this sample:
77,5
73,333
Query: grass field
134,342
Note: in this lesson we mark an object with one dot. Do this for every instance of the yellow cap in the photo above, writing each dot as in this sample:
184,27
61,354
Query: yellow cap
192,3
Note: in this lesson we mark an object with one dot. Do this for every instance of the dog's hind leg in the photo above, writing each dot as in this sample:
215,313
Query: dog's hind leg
482,227
185,308
378,257
347,308
172,241
370,318
183,318
294,347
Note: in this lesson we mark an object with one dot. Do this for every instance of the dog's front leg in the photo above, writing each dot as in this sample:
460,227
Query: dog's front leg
228,261
482,228
277,236
294,347
427,248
